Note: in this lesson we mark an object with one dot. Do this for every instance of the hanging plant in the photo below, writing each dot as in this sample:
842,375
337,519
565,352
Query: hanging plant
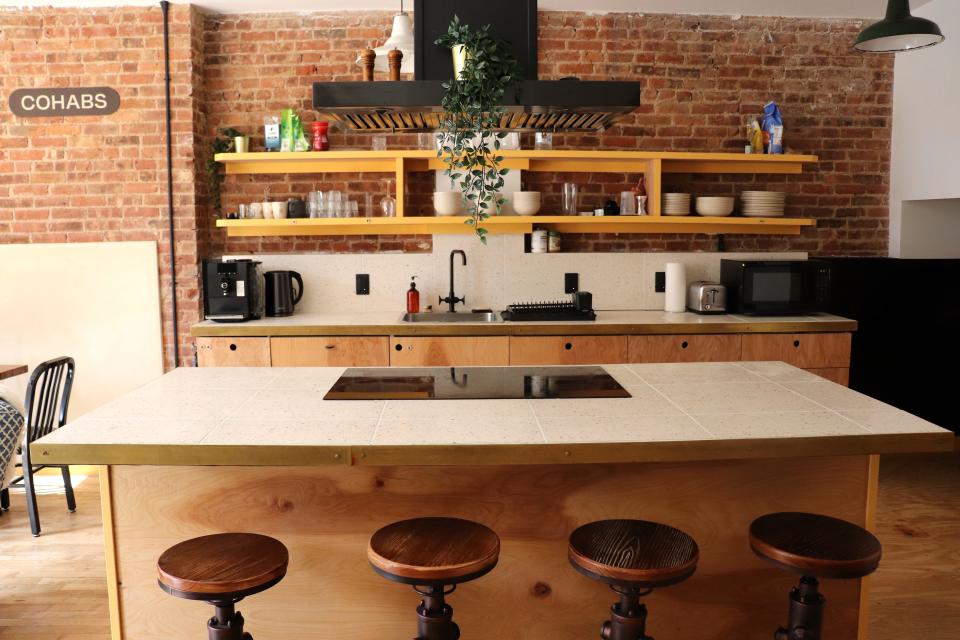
223,143
470,123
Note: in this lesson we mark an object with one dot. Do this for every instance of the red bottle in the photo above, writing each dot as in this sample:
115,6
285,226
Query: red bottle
320,141
413,297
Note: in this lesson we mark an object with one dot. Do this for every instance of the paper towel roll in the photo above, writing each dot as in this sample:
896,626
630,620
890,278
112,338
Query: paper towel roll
676,298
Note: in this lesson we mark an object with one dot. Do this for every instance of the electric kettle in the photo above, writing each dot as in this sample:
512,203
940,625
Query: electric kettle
279,290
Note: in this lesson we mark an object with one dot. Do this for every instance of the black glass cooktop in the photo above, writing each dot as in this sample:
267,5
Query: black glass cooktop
476,383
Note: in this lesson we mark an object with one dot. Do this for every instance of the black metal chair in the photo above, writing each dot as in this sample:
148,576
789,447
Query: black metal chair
48,397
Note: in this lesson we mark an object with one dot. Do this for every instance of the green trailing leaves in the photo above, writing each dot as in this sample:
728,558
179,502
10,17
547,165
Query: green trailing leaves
471,120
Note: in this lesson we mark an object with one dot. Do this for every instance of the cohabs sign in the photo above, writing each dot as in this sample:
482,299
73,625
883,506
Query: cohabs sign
82,101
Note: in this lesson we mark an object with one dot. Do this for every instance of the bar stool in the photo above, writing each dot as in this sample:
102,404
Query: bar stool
634,557
812,546
222,569
434,555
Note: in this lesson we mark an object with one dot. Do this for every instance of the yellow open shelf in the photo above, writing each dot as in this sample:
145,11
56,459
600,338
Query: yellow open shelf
653,164
515,224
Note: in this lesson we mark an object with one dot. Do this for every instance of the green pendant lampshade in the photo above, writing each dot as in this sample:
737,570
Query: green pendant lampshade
899,31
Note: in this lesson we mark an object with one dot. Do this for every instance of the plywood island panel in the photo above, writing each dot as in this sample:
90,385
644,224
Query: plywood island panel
326,515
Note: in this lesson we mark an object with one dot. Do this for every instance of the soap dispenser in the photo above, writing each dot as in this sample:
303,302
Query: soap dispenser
413,297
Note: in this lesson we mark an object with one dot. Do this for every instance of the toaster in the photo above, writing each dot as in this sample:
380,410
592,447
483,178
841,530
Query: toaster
707,297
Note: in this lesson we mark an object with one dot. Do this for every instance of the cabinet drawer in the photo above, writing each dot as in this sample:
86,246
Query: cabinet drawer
233,352
684,348
330,352
838,375
804,350
449,352
548,350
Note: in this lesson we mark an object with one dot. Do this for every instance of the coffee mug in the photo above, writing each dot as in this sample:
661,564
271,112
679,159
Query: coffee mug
279,210
267,209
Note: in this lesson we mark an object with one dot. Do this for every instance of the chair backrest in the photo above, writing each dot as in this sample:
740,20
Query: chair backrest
48,396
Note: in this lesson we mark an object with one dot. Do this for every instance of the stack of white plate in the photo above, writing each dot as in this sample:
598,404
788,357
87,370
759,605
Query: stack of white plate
676,204
763,204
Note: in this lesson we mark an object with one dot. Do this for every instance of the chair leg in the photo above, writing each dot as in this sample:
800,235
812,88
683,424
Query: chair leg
68,489
5,500
31,500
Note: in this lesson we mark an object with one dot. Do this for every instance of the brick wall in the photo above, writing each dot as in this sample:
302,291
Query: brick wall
701,77
95,179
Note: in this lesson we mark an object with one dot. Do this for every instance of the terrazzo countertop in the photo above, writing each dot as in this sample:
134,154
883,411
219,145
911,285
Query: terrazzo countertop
277,416
607,322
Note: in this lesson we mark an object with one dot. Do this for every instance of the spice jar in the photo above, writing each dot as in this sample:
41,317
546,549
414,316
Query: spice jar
320,142
538,241
554,242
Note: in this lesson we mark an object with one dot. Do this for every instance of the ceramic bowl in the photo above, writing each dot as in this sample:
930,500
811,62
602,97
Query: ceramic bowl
447,203
526,203
713,206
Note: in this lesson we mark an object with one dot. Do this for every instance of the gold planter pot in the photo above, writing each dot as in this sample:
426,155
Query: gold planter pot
459,53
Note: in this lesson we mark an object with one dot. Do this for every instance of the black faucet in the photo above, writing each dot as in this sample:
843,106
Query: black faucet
452,299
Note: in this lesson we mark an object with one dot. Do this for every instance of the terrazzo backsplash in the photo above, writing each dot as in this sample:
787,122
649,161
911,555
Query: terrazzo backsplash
496,275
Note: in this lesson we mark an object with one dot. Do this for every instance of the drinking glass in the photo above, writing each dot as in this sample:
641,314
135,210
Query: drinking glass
244,212
333,204
641,205
368,205
353,211
389,204
628,205
544,141
256,210
569,199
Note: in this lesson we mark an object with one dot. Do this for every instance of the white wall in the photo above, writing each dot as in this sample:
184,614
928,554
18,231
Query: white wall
925,164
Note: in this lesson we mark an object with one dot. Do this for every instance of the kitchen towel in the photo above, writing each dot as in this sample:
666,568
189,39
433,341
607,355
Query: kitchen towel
676,298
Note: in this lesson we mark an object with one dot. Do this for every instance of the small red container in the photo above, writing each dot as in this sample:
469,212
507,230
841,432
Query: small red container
320,141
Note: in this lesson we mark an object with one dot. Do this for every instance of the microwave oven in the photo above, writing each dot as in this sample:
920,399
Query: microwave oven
775,287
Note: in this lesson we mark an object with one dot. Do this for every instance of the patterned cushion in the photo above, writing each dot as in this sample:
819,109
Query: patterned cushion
11,433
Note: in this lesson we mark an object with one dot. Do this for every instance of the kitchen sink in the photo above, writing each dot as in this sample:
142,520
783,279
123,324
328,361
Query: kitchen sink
452,317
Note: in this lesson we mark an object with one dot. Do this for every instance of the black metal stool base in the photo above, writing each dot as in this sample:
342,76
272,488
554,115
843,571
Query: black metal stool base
434,615
806,612
628,617
227,623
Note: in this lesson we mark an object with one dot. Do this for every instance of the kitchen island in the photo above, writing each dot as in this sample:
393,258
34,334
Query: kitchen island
704,447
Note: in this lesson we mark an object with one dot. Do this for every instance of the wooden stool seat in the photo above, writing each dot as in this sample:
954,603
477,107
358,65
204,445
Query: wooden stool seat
433,551
633,553
815,545
221,567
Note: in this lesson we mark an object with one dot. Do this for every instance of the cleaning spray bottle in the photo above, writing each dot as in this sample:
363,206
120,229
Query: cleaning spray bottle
413,297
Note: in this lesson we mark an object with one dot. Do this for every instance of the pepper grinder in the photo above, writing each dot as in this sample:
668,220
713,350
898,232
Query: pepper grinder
368,58
394,60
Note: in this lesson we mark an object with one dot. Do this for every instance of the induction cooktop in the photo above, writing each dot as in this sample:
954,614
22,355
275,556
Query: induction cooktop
476,383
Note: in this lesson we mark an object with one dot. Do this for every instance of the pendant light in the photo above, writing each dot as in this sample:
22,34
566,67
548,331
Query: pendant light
400,38
899,31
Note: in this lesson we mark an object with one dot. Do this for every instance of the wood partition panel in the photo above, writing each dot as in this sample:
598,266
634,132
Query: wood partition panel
326,515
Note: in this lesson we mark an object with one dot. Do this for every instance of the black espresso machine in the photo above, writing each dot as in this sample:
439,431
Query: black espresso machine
233,290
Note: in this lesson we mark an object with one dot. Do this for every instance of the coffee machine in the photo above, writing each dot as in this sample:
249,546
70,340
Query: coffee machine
233,290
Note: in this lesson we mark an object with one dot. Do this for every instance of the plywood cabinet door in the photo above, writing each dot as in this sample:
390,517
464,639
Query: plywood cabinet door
233,352
458,351
684,348
804,350
550,350
353,351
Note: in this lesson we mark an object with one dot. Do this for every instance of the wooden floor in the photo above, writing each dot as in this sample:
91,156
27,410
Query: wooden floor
53,587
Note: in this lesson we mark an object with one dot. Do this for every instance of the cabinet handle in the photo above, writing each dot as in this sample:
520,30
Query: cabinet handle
568,346
684,344
233,347
330,346
796,343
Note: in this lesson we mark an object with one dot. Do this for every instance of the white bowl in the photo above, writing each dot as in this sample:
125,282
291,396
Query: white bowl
714,206
447,203
526,203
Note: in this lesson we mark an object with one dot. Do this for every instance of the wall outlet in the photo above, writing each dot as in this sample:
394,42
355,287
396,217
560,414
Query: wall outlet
660,282
363,284
571,282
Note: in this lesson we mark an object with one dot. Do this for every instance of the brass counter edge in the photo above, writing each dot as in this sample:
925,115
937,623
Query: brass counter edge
494,454
524,329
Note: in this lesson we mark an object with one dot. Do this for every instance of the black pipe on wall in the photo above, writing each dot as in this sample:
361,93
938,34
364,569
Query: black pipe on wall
165,8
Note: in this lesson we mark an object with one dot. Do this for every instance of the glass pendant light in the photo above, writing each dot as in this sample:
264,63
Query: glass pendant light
899,31
400,38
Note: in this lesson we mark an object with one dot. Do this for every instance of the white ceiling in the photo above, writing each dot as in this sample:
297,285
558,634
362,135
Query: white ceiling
822,8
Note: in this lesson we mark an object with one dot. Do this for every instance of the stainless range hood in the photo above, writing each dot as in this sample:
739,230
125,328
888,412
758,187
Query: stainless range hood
535,105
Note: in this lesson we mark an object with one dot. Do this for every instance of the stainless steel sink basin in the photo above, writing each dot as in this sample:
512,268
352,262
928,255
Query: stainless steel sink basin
451,317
